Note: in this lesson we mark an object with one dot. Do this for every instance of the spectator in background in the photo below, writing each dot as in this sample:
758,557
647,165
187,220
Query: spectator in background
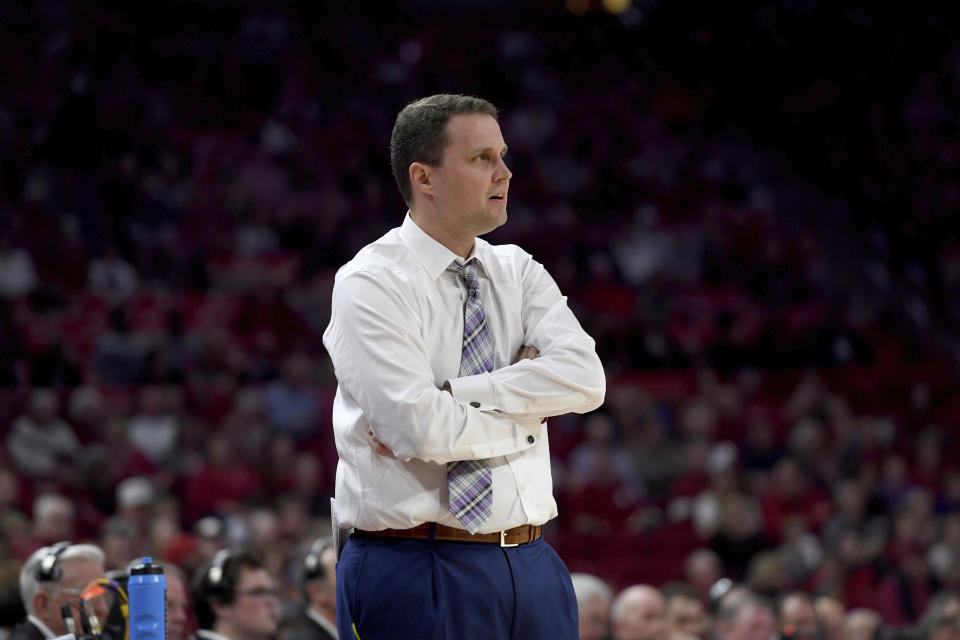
719,462
221,484
134,499
638,613
791,495
862,624
156,427
602,460
726,597
941,620
17,274
740,537
685,611
603,486
119,541
53,519
850,512
119,352
701,570
178,604
291,402
12,491
87,413
831,613
797,617
746,618
903,595
38,439
944,555
112,277
593,606
767,574
318,621
235,597
52,577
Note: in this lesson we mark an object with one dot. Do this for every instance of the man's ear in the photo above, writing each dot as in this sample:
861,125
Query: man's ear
420,179
41,599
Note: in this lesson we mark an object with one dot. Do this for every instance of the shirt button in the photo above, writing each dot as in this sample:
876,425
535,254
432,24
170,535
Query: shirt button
530,439
475,404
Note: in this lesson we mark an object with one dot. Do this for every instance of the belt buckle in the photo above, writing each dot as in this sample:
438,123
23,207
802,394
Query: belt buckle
503,540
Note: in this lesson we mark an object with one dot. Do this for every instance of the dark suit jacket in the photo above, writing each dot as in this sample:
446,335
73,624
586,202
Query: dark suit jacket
302,627
26,631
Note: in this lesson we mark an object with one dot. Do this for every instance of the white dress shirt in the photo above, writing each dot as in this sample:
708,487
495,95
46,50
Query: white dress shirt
396,335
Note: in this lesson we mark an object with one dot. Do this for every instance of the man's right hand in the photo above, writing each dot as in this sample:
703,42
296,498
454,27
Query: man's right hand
526,353
378,446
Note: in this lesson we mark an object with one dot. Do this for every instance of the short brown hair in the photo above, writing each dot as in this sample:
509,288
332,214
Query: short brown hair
220,586
420,133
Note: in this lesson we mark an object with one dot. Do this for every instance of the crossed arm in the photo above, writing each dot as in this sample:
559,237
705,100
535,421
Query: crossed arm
525,353
382,364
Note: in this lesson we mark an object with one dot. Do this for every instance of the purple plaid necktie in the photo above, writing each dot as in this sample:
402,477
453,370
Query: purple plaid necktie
470,482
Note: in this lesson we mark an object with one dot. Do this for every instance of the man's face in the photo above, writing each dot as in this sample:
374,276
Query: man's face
470,185
176,609
647,621
687,615
800,617
255,609
322,593
594,619
946,632
51,596
753,623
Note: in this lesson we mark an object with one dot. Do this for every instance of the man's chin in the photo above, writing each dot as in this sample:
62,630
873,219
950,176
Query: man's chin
496,220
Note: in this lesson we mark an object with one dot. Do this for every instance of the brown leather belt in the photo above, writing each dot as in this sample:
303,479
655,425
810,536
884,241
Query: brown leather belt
510,538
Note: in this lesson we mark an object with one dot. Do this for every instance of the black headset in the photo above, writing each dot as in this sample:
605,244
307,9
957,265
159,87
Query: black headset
312,568
218,582
47,569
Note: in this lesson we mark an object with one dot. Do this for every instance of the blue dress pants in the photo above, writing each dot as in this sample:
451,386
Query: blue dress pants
429,590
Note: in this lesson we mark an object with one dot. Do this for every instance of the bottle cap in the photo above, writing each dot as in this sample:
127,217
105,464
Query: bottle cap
146,567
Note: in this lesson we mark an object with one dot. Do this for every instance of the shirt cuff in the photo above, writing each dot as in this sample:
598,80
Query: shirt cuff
477,391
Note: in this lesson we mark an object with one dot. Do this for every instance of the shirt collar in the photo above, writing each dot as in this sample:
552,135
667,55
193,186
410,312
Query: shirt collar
44,629
434,257
317,617
206,634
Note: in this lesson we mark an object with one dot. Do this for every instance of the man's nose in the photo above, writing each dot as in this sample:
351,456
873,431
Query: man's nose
503,171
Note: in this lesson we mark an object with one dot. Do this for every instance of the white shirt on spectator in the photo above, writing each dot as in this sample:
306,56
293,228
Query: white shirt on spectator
396,334
17,274
36,448
154,435
112,276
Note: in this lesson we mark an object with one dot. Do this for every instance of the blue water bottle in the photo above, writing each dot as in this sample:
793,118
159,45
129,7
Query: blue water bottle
147,591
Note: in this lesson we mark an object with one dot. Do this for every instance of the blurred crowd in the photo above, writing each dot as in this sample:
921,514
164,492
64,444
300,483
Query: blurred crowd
731,611
178,189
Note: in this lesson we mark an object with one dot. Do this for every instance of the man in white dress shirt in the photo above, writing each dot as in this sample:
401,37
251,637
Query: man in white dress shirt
450,353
